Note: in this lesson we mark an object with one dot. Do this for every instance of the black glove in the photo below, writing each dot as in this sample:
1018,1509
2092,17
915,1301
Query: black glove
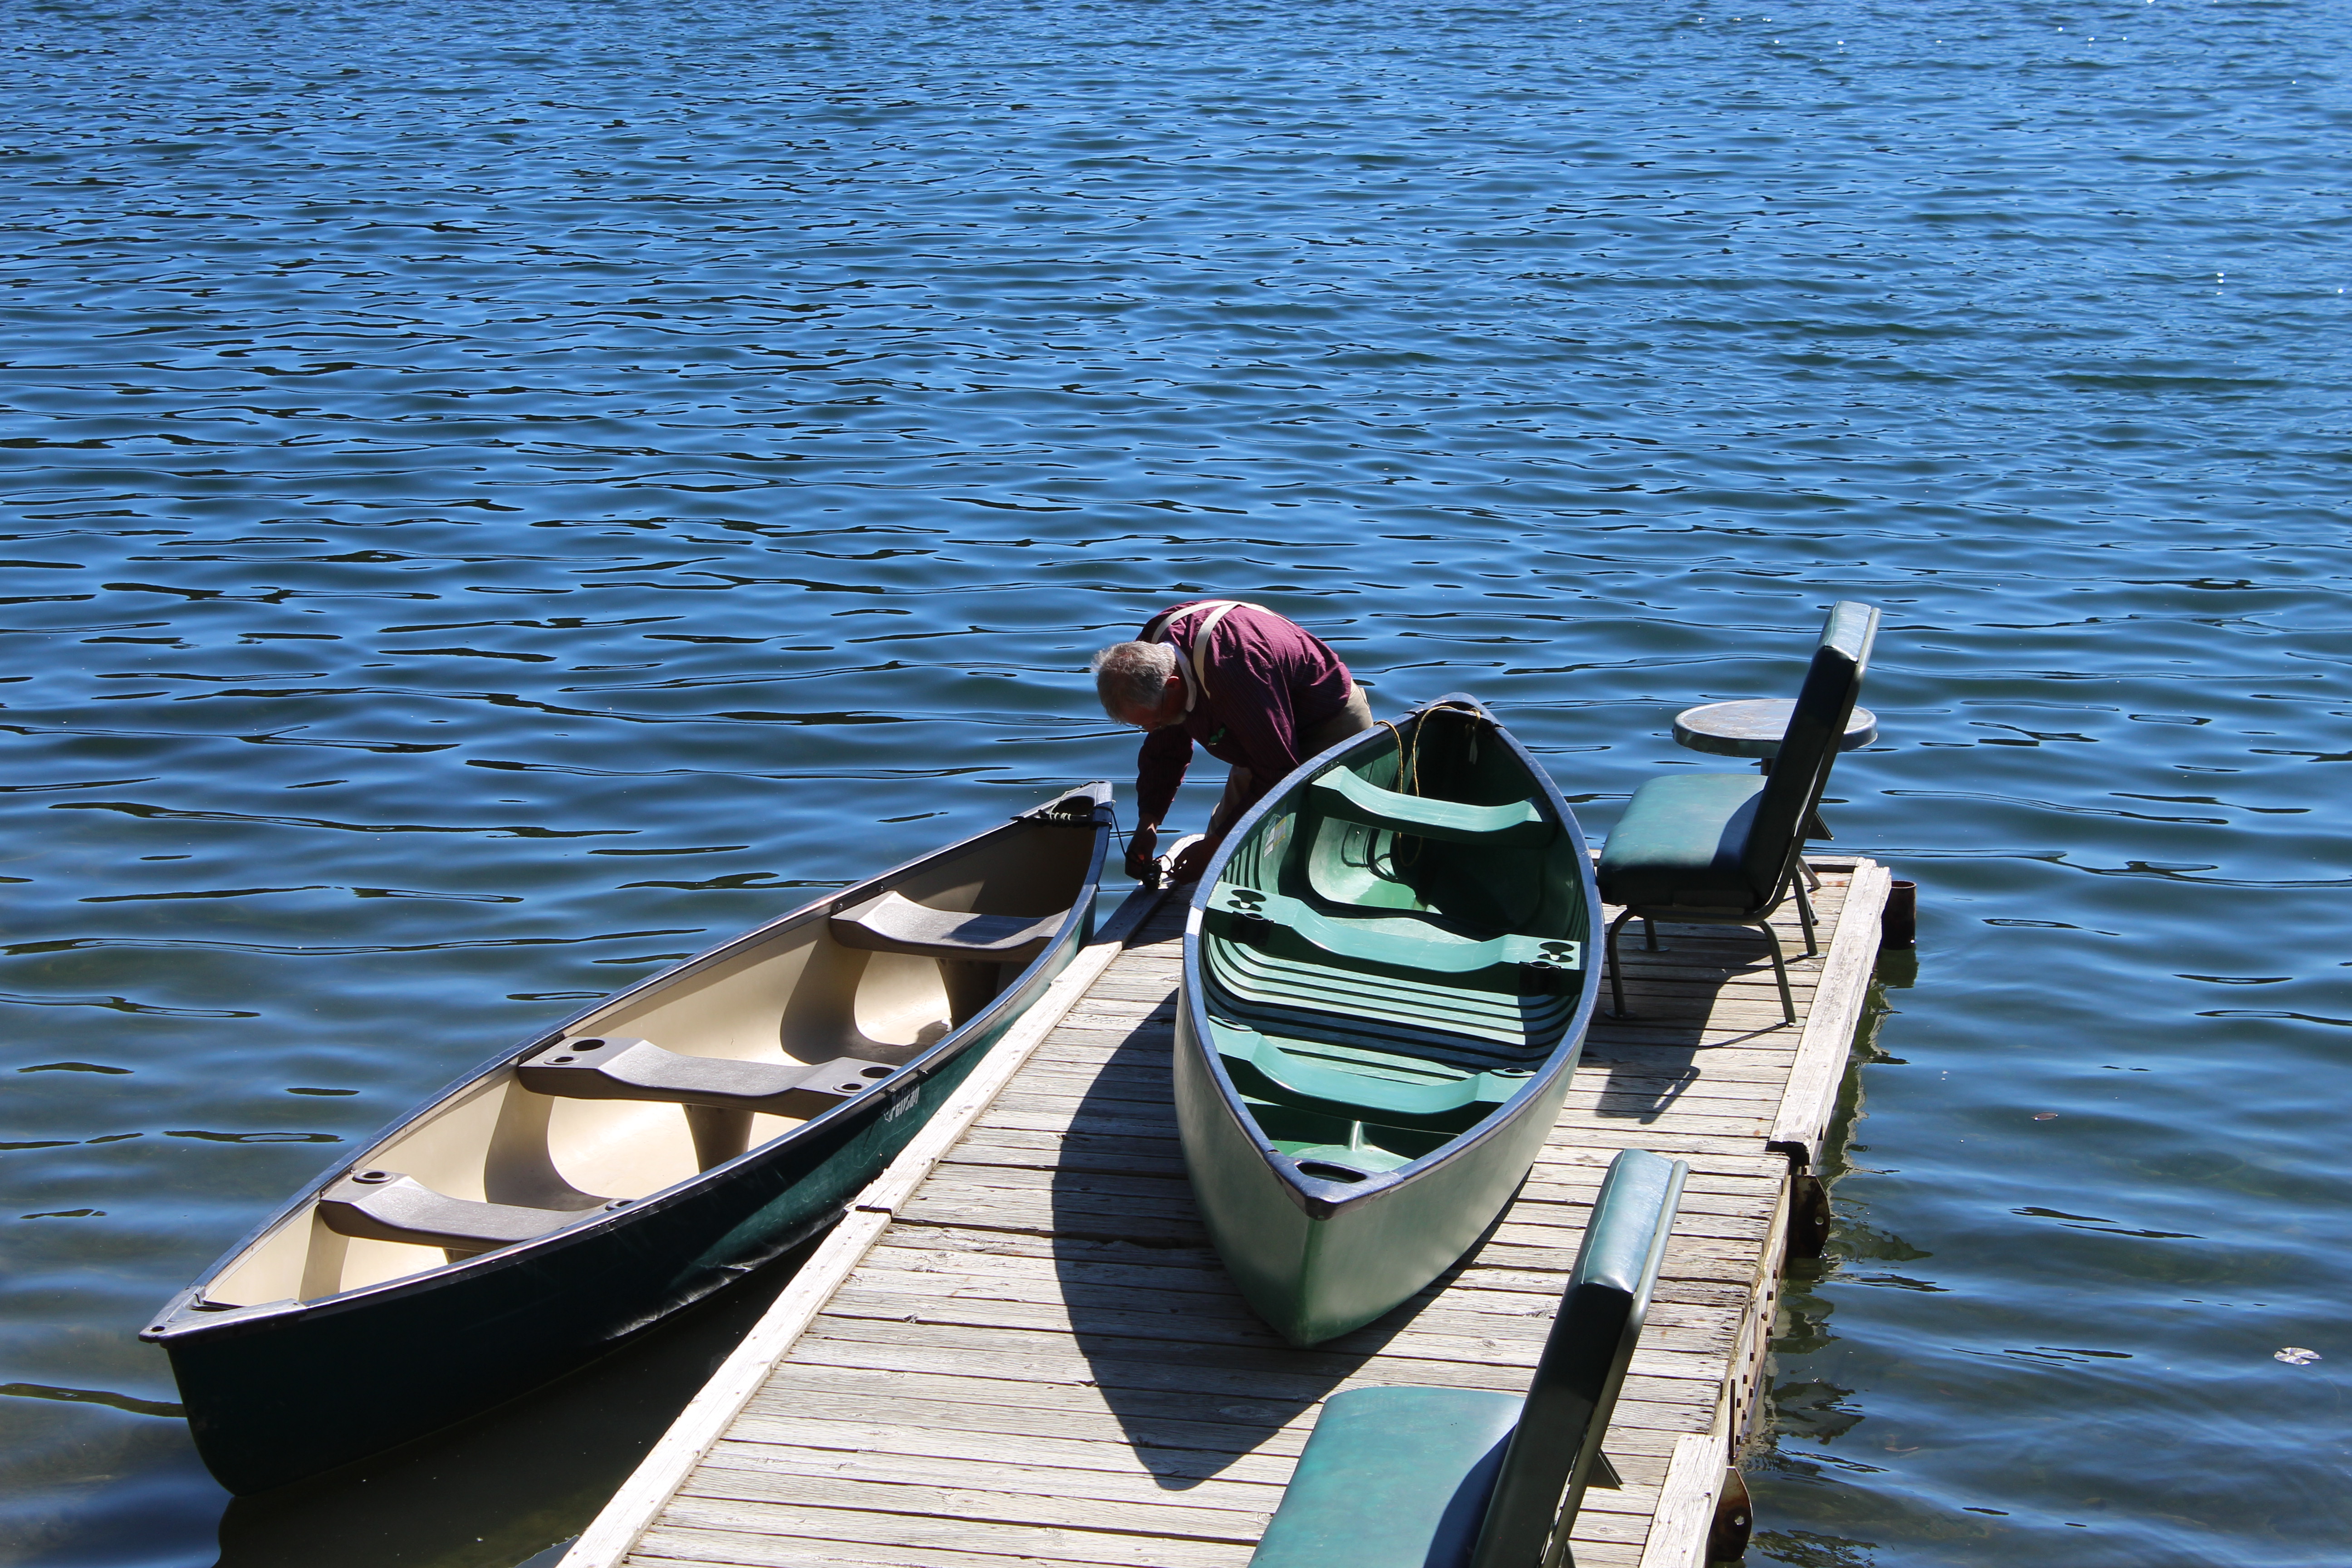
1143,847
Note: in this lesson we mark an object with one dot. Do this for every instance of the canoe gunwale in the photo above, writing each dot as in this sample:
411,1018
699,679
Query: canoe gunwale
186,1320
1322,1199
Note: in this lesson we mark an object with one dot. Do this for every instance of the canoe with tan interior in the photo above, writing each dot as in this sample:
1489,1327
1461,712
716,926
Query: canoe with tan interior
649,1149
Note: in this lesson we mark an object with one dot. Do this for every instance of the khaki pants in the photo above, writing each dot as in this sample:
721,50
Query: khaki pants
1352,720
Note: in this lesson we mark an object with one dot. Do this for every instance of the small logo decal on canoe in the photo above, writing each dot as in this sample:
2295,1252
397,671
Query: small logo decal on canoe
904,1104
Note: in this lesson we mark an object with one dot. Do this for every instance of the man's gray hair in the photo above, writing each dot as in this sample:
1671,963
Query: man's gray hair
1132,675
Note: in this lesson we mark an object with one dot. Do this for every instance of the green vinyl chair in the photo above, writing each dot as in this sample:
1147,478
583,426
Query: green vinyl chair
1466,1478
1726,848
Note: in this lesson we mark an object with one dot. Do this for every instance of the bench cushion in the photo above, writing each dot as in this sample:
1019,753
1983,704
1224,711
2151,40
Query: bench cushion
1679,843
892,924
1393,1477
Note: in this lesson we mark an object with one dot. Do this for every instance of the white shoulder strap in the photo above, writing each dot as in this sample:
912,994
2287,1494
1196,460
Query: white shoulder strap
1218,610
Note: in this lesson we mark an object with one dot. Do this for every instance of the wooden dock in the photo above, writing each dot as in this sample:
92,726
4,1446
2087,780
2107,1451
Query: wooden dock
1020,1349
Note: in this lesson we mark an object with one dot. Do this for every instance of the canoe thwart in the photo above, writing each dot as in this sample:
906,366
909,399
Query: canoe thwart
384,1206
894,924
597,1067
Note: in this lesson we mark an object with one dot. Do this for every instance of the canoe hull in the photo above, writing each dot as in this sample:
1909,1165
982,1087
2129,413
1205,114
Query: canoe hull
280,1390
293,1397
1317,1248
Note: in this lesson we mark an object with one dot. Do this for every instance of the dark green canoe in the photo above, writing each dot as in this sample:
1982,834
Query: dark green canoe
1388,971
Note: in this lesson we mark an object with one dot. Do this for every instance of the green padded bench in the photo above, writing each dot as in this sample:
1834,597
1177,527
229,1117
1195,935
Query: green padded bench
1463,1478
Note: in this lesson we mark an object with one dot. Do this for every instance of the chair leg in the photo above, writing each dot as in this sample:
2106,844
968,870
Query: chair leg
1616,969
1805,917
1812,878
1780,972
1650,930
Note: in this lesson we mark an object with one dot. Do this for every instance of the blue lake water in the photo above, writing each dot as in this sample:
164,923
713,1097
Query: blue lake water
500,497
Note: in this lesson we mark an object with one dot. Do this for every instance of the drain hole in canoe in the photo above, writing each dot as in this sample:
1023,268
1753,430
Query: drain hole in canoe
1324,1171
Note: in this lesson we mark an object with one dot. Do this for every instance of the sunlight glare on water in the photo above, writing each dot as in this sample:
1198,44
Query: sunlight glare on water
500,496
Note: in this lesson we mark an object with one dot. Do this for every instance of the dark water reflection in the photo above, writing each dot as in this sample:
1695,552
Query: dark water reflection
498,497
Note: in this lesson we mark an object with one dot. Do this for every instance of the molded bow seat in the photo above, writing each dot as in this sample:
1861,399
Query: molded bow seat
384,1206
1726,849
1341,794
1461,1477
894,924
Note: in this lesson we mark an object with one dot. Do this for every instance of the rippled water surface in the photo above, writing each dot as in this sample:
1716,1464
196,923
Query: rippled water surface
499,497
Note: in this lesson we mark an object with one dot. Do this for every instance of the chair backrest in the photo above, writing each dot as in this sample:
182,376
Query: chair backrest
1776,834
1558,1441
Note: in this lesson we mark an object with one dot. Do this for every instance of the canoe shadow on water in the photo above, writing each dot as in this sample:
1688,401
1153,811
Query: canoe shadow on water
1196,1383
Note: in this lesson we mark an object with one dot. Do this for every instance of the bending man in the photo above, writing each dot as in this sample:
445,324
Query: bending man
1254,690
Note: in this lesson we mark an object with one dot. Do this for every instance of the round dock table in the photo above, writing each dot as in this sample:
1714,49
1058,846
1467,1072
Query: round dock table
1753,726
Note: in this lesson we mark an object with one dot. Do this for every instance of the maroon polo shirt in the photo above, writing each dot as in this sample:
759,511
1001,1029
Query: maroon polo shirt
1268,680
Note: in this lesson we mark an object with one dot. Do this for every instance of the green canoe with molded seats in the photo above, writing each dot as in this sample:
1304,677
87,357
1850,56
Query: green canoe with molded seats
1388,971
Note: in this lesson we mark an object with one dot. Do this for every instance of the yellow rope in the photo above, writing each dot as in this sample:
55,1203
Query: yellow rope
1407,784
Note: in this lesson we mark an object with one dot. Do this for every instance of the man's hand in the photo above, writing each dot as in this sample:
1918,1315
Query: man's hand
1193,861
1143,847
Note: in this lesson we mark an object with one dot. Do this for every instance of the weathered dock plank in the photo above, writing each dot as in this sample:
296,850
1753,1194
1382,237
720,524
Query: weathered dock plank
1020,1350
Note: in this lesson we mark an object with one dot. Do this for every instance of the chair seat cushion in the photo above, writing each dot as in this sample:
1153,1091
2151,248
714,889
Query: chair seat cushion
1393,1477
1679,844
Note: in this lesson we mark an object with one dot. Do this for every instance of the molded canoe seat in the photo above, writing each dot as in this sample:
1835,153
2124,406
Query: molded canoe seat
384,1206
1469,1477
601,1067
1341,794
1394,943
893,924
1263,1070
1680,843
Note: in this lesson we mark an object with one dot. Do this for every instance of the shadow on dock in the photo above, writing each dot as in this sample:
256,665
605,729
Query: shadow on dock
1676,995
1196,1381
